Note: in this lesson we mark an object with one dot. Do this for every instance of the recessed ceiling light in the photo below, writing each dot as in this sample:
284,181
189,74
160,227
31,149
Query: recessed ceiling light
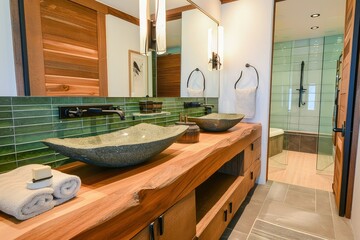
314,27
315,15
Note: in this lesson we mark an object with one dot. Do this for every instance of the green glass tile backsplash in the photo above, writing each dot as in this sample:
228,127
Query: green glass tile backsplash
25,121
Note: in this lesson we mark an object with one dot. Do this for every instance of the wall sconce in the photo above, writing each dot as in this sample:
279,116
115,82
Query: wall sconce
216,60
152,32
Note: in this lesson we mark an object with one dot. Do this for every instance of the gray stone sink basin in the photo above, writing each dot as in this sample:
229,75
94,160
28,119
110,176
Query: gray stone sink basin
121,148
217,122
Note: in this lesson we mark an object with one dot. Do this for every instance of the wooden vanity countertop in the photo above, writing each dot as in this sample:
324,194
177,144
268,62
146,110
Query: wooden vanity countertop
118,203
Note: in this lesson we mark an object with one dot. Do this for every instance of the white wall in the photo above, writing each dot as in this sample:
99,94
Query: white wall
121,36
355,211
211,7
194,52
248,28
7,68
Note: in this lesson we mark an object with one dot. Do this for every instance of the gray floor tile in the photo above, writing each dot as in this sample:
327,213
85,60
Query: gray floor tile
271,231
260,193
278,191
343,229
334,209
231,234
300,220
302,189
284,212
323,202
299,199
245,221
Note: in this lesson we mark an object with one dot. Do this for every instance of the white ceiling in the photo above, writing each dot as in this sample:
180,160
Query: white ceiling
293,21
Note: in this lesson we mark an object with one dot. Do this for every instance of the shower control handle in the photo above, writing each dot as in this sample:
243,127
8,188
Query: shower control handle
342,129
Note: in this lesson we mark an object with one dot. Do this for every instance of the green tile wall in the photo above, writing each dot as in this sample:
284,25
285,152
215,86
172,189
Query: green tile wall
25,121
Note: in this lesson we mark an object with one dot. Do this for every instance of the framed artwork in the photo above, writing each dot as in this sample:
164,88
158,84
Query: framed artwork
138,74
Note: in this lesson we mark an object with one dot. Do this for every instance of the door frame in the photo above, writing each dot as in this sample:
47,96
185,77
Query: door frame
352,123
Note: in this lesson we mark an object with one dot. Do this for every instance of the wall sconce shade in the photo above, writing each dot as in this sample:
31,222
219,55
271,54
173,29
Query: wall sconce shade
216,59
152,33
144,28
221,46
160,26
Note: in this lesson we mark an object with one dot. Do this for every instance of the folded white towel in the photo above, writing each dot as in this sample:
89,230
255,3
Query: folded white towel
20,202
195,92
246,101
65,186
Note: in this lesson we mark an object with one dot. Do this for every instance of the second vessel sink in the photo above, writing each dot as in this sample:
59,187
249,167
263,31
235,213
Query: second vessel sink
217,122
122,148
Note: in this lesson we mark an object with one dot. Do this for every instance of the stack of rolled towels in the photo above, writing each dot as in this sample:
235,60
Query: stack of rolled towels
33,189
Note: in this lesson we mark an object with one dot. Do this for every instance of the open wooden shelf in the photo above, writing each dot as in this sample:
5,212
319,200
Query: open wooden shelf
210,192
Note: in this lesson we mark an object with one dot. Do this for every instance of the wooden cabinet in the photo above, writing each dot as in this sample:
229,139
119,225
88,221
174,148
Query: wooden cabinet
176,223
196,188
218,198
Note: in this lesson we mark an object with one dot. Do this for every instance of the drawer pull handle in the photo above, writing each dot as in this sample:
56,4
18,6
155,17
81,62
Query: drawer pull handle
252,147
230,207
151,231
225,215
161,224
252,175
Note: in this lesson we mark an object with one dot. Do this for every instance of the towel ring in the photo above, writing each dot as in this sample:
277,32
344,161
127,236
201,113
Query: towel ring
238,80
257,74
197,70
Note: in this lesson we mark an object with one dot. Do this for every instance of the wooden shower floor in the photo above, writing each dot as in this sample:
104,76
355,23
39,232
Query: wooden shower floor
300,170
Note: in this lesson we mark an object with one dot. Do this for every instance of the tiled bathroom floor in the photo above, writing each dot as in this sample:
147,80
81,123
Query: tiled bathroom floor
300,170
281,211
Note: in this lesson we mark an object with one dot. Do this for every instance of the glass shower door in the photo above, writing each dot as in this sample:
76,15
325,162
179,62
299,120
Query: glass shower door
331,73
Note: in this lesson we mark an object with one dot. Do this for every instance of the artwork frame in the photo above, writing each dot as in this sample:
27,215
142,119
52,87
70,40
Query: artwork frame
138,74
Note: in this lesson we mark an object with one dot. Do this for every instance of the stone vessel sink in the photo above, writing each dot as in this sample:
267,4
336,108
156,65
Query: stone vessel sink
122,148
217,122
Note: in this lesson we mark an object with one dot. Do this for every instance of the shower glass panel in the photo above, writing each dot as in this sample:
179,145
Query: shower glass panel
308,127
332,50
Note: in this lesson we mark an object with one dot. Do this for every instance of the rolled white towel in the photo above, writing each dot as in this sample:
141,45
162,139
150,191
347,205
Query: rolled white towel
65,186
20,202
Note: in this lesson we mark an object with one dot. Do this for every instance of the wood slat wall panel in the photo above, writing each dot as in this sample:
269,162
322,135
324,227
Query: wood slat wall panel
103,84
61,10
70,49
168,75
71,90
51,79
34,47
71,57
72,66
72,32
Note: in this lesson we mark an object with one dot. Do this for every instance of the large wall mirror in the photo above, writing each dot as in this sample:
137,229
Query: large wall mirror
91,48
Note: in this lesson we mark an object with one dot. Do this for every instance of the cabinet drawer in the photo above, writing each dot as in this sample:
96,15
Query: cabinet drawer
253,173
213,224
179,222
252,152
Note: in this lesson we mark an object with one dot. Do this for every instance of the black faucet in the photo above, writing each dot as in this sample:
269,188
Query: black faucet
117,111
66,112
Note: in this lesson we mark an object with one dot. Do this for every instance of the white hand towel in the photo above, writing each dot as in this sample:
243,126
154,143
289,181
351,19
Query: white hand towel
195,92
246,101
20,202
65,186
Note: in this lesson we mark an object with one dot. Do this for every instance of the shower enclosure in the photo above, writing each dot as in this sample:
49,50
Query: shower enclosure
303,94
